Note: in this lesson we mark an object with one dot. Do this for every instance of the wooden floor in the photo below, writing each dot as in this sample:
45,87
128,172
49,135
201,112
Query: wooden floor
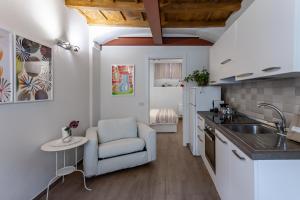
175,175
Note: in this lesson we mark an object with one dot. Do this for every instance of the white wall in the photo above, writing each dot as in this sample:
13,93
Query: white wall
138,105
164,97
25,170
95,86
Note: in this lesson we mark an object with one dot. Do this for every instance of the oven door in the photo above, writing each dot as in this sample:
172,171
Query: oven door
210,149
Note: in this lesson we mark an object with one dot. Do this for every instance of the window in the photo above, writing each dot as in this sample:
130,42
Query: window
167,74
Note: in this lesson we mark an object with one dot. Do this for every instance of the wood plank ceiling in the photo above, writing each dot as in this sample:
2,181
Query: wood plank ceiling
173,13
156,14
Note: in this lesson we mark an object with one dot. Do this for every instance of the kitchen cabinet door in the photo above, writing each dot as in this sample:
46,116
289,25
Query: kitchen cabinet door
265,39
222,165
247,46
275,37
222,57
226,51
241,175
214,74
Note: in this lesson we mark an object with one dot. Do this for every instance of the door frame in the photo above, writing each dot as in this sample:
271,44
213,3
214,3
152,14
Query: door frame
185,90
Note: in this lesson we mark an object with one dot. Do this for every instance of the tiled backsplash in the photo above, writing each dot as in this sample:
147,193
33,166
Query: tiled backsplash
283,93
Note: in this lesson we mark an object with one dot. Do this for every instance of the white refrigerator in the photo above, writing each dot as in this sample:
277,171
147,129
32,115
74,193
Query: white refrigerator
200,99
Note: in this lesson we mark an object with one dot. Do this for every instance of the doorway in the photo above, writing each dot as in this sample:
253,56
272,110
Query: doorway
166,94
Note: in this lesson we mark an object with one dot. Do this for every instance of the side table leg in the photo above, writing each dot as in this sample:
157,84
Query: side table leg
63,178
76,158
48,186
88,189
49,183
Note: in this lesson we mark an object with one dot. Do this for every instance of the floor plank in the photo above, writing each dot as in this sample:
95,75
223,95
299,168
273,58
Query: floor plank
175,175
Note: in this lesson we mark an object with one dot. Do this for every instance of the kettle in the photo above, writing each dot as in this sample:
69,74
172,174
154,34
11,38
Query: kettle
223,108
226,109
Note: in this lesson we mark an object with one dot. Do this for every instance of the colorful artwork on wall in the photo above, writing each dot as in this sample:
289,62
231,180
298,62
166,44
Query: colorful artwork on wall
122,80
6,66
33,71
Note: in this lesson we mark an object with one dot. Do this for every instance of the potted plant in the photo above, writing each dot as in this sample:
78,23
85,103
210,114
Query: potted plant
67,131
200,77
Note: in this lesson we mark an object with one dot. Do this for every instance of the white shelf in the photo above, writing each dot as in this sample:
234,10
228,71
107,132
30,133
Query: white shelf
65,171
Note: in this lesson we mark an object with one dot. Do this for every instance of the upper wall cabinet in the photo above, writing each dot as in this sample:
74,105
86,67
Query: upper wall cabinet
264,41
223,56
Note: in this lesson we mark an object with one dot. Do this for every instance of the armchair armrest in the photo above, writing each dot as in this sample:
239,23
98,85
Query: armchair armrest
149,135
90,155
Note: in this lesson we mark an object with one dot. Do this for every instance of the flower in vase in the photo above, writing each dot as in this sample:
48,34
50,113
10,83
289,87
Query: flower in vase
72,124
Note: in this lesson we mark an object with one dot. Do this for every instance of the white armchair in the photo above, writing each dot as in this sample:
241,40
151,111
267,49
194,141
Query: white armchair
118,144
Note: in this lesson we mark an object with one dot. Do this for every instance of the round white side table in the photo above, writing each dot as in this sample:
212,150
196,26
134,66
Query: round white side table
58,146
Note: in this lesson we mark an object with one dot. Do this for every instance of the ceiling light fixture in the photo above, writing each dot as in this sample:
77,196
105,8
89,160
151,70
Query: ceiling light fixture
67,46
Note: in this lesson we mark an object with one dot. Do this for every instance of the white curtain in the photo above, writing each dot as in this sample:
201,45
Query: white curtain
167,71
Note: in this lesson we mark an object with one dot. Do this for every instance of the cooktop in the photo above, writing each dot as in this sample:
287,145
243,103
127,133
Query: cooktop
230,119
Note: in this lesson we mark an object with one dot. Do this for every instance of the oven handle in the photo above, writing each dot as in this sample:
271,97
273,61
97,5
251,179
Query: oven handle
237,155
208,136
224,142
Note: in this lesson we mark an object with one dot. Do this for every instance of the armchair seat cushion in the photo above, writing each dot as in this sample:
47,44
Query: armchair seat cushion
120,147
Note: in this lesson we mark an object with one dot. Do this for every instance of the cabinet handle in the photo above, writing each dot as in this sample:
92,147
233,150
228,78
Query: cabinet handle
199,138
208,136
244,75
226,61
224,142
237,155
269,69
213,81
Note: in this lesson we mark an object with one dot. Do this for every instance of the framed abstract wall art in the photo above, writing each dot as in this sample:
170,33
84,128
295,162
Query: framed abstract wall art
6,66
33,71
122,80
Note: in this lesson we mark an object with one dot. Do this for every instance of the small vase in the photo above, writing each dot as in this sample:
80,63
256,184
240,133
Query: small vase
66,135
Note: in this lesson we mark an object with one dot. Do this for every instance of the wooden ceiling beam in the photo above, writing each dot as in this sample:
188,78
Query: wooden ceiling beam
166,24
153,17
193,24
229,6
123,16
142,16
102,14
105,5
127,23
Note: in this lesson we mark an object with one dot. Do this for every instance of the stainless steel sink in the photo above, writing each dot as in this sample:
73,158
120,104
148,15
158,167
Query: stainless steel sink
250,128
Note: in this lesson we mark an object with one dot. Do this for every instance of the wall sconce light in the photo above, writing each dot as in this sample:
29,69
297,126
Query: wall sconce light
67,45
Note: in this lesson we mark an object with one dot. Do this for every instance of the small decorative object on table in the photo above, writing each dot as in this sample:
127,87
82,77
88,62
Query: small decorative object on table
67,131
200,77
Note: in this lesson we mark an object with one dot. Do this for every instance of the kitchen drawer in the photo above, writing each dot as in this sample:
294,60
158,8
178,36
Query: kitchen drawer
201,122
200,143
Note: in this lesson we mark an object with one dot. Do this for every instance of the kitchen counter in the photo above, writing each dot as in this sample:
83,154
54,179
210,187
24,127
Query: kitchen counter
257,147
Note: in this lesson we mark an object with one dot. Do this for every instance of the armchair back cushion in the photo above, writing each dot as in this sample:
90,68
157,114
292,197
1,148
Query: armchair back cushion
115,129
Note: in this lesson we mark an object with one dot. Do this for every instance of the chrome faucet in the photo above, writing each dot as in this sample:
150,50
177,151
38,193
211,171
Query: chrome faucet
281,126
